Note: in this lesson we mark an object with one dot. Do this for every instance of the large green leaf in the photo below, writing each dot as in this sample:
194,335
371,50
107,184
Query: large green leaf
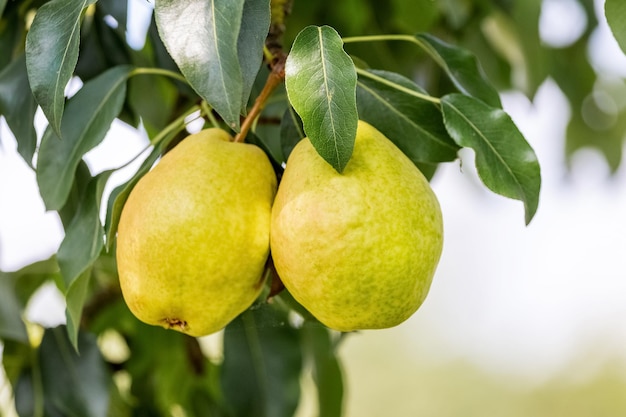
505,161
52,52
18,106
415,125
202,38
255,24
321,85
319,344
88,118
615,11
462,67
262,364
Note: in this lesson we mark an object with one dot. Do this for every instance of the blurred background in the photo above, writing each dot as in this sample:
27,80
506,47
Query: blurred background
520,321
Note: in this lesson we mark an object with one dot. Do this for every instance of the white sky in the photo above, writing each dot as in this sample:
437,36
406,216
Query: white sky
512,298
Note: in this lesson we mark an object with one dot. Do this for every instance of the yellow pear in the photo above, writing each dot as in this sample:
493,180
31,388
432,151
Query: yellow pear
357,249
193,236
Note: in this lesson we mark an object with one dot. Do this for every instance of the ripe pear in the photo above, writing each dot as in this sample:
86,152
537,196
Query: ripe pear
357,249
193,236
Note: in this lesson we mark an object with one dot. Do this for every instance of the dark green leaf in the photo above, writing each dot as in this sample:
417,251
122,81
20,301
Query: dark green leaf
12,32
11,325
82,177
88,118
75,298
615,11
320,346
84,238
202,36
505,161
262,364
3,4
83,243
291,131
462,67
73,385
414,125
153,99
321,84
18,106
255,24
52,52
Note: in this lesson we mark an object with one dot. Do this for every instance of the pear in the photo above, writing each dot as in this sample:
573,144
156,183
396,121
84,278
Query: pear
193,237
357,249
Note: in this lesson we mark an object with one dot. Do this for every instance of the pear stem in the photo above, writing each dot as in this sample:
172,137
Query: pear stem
276,77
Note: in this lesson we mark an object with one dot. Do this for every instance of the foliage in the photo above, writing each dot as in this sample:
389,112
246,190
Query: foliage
224,61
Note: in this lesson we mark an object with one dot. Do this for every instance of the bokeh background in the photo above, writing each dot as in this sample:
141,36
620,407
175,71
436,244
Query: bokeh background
520,321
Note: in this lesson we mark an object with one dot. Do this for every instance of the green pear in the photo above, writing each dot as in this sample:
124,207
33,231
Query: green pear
193,237
357,249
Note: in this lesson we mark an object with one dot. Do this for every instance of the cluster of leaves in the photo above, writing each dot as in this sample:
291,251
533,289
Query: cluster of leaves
206,59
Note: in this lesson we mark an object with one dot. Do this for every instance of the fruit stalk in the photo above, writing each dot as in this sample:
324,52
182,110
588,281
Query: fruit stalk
277,76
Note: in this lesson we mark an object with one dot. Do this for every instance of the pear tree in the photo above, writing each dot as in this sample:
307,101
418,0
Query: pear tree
274,76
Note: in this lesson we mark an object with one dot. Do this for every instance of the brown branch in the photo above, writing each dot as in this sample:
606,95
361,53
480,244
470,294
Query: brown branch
276,77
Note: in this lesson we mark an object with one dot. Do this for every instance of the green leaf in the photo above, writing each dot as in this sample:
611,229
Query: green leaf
18,106
84,238
262,364
255,24
3,4
28,279
73,385
11,325
462,67
202,38
414,125
75,298
52,52
81,246
321,85
615,12
505,161
88,118
320,346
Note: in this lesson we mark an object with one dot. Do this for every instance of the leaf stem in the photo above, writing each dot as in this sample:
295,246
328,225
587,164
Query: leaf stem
158,71
398,87
208,112
276,77
379,38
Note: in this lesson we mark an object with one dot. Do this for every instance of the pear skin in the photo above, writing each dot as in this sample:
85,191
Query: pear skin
357,249
193,236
